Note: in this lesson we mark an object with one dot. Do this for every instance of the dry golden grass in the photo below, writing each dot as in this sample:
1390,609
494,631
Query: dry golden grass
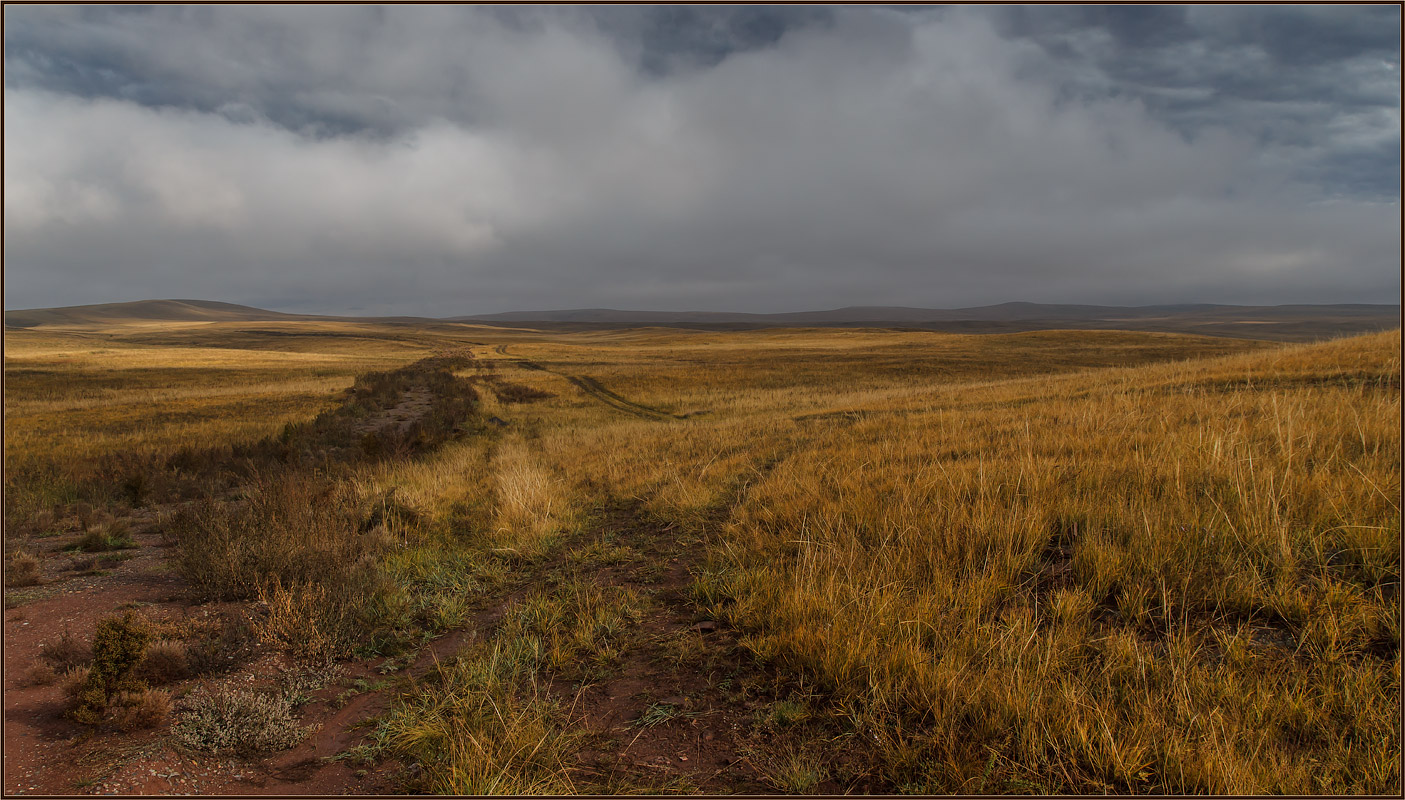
114,397
141,391
528,500
1162,579
22,568
1050,562
144,708
1173,577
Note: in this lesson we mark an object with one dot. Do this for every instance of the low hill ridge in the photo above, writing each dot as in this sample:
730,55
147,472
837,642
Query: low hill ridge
1298,322
141,310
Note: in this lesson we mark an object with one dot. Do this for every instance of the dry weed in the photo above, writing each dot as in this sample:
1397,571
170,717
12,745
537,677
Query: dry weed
145,708
23,568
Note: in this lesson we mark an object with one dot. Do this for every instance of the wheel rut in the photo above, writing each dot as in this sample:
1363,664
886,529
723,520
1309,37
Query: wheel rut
688,708
671,713
595,389
670,701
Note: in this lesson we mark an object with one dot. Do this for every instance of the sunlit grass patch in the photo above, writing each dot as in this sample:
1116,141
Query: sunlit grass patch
982,565
577,628
482,726
532,504
603,552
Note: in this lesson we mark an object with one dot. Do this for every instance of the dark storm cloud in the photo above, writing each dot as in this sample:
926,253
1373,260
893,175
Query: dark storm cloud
445,160
1319,77
667,39
320,78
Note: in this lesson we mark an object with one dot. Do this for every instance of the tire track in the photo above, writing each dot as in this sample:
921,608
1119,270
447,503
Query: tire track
597,390
593,388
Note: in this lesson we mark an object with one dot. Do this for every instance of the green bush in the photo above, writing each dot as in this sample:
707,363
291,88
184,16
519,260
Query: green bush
118,645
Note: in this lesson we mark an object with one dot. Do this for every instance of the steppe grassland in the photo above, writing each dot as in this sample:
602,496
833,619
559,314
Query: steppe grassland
1165,579
742,392
1176,577
665,367
1179,576
73,397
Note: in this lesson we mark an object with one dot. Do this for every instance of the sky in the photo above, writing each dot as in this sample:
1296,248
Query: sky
455,160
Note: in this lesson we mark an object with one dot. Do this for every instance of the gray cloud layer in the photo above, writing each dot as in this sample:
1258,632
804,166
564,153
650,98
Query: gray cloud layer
446,160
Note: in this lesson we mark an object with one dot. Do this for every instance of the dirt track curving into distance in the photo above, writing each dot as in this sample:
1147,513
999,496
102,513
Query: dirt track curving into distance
597,390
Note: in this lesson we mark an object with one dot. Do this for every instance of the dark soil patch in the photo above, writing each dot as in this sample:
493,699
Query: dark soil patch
663,717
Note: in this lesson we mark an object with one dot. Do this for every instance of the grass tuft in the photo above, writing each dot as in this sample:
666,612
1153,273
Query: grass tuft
483,728
163,661
101,539
22,568
145,708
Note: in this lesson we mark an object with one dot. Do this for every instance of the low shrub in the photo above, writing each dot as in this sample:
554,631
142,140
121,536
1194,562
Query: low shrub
294,529
371,445
137,488
71,684
238,721
66,652
118,645
301,547
225,646
42,673
299,685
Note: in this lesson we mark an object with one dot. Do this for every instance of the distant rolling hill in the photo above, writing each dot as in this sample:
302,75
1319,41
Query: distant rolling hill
172,311
141,311
1285,323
